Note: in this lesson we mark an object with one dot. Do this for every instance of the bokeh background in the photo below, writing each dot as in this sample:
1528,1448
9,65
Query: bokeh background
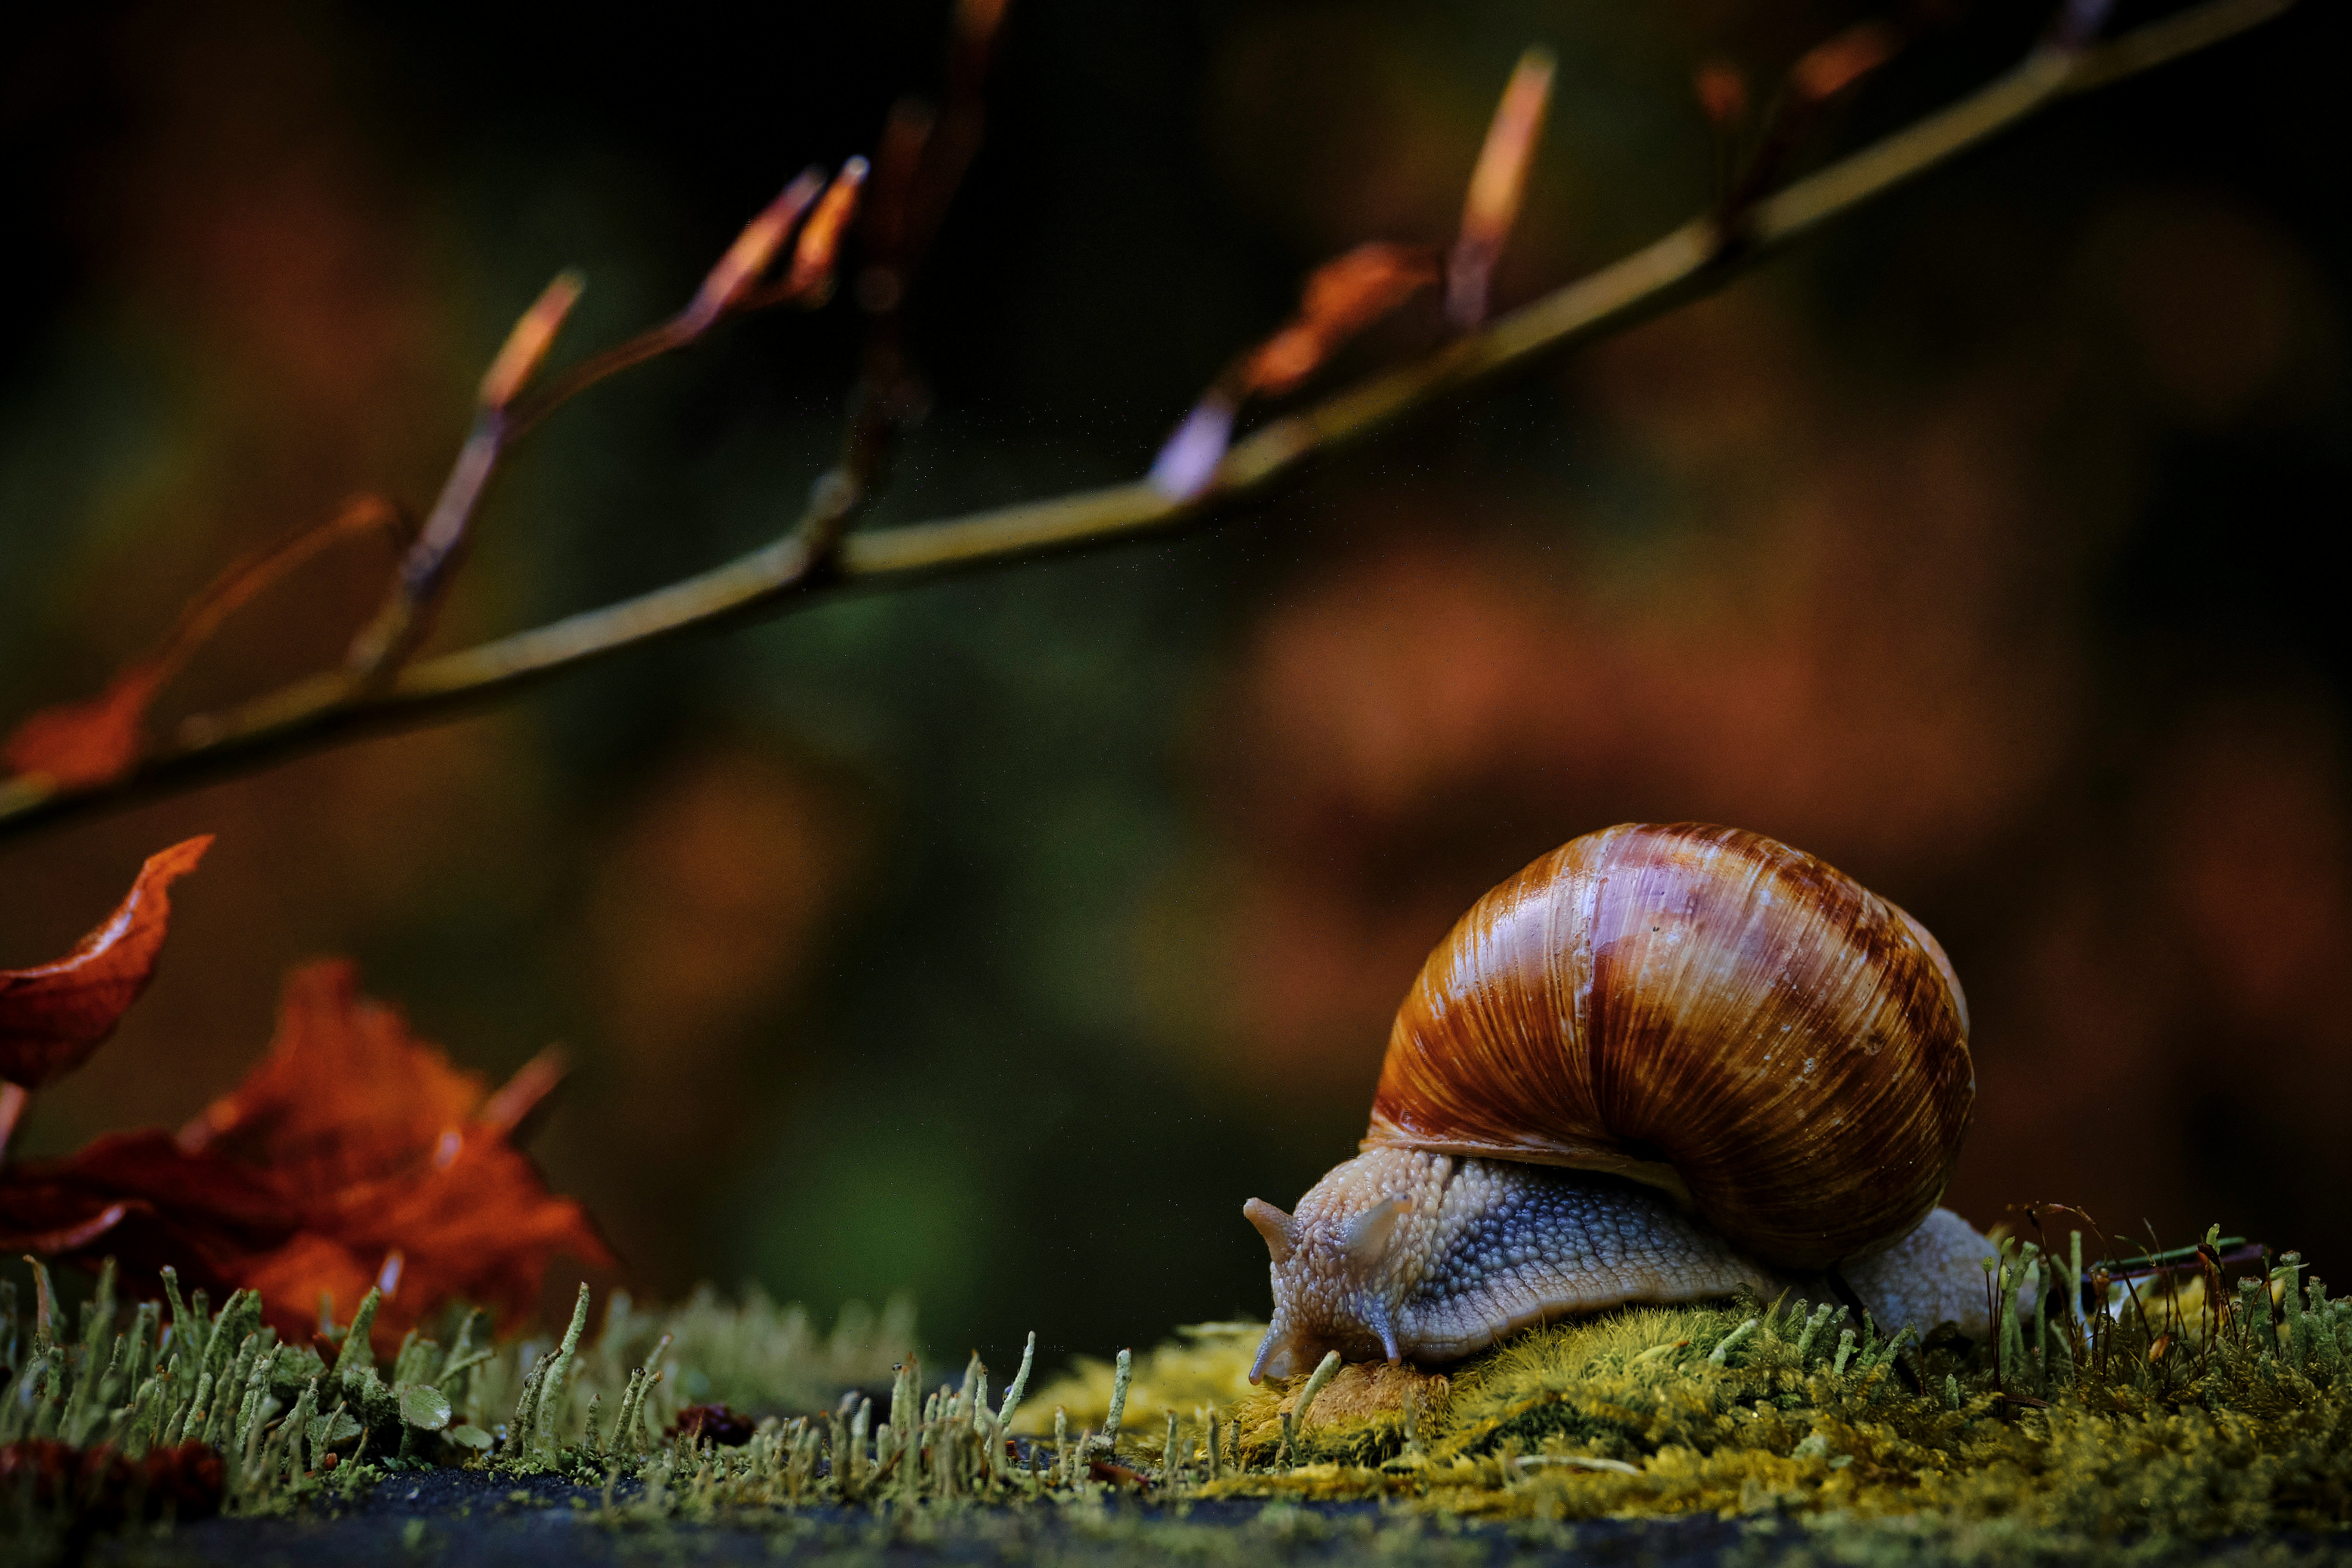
993,940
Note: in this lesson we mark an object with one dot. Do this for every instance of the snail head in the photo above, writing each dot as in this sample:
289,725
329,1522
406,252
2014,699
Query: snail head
1344,1264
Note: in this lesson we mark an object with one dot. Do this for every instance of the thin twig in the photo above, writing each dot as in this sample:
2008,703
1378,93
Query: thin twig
405,619
726,290
798,568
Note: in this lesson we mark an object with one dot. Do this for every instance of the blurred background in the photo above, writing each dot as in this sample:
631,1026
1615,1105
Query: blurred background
993,940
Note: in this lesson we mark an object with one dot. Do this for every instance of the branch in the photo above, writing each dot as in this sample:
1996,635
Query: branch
815,559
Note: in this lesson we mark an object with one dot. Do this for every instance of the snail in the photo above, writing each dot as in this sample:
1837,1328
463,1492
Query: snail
1661,1064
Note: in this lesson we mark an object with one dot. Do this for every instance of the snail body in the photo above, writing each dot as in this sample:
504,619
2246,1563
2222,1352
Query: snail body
1661,1064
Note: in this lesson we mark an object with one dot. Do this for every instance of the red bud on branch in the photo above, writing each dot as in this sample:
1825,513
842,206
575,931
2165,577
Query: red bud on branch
812,259
525,346
1496,186
1830,67
1722,93
1342,297
748,258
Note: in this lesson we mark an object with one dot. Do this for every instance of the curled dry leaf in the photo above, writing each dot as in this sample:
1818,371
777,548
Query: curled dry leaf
352,1155
77,745
82,745
52,1018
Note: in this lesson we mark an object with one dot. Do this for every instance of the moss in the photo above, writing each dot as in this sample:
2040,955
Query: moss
2182,1420
2182,1416
1206,1367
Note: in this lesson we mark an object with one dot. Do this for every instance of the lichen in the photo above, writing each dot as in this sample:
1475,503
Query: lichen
2142,1412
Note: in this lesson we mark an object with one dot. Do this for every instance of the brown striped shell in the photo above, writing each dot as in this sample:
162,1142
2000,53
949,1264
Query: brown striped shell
1706,1010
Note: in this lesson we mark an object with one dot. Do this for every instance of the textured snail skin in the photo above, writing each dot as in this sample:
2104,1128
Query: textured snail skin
1405,1253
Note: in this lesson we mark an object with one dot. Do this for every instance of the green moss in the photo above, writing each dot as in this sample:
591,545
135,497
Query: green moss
2186,1418
2175,1426
1205,1367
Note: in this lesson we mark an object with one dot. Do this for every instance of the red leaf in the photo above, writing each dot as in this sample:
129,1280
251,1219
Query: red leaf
76,745
82,745
138,1198
352,1155
52,1018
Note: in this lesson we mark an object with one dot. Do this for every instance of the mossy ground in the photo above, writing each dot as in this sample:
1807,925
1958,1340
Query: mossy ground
2186,1419
2186,1427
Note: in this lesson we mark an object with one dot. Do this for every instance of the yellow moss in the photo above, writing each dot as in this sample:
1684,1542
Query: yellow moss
1774,1413
1208,1364
1634,1415
1613,1387
1357,1419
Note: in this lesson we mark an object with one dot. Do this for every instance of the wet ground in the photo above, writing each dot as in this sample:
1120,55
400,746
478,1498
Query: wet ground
457,1519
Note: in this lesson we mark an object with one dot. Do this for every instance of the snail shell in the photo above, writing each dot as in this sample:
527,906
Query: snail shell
1662,1063
1703,1010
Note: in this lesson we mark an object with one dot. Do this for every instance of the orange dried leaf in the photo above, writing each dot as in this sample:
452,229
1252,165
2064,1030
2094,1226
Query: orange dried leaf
82,745
344,1096
352,1155
79,745
378,1145
54,1016
138,1198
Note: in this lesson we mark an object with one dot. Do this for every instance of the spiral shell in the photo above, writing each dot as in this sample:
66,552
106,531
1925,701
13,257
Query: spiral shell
1706,1010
